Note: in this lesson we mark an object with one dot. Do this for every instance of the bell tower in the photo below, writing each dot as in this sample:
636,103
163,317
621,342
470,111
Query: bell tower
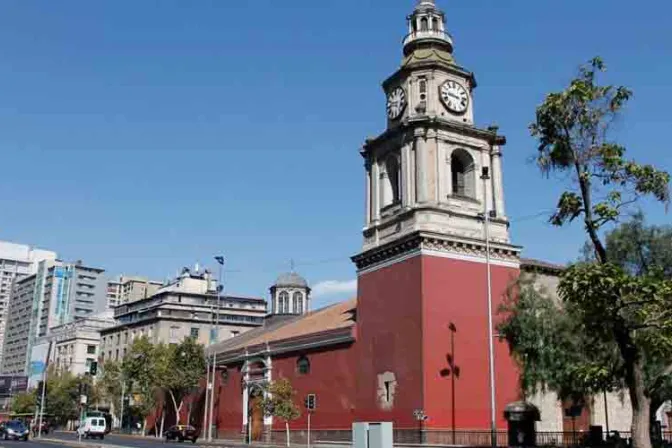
432,178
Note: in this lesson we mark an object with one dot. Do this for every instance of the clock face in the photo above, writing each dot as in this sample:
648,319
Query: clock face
454,96
396,102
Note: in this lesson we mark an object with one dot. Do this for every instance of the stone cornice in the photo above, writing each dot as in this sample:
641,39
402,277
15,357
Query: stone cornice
413,126
427,241
430,64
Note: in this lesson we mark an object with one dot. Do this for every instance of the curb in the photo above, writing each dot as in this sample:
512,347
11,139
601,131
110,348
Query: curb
76,443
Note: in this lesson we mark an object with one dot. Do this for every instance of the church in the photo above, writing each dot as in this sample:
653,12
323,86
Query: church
412,347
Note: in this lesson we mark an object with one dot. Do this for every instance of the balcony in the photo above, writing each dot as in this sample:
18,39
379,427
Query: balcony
436,35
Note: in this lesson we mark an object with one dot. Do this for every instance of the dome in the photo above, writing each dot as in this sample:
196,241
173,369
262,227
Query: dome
291,279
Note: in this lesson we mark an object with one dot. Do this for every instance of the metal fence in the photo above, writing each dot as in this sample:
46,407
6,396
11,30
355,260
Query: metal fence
412,437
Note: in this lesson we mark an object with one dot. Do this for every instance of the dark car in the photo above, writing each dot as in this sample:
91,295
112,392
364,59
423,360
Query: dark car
181,433
15,430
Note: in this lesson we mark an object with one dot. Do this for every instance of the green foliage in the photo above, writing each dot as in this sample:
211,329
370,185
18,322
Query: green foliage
24,403
550,345
572,128
279,401
640,249
62,399
612,304
109,384
156,372
139,368
178,369
616,309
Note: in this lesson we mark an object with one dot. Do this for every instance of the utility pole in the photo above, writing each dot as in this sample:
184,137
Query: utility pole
121,412
220,288
485,175
43,393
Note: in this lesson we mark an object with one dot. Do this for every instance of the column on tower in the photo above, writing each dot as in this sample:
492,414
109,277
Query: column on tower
406,176
497,181
368,212
421,168
375,190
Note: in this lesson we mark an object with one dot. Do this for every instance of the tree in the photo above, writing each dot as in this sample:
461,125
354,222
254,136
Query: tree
279,402
24,403
548,343
613,305
109,385
62,399
185,365
558,352
139,368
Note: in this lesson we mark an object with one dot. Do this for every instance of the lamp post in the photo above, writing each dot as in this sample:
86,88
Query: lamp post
220,287
453,373
485,176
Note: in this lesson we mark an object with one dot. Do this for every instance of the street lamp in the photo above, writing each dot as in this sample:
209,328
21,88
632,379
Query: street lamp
485,176
220,286
453,373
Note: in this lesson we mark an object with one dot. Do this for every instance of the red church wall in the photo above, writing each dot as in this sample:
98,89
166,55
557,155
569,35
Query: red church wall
455,291
332,378
389,338
403,315
229,402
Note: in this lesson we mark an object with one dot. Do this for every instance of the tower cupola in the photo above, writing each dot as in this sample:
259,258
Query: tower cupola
426,29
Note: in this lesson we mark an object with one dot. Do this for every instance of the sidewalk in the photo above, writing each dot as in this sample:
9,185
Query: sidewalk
216,442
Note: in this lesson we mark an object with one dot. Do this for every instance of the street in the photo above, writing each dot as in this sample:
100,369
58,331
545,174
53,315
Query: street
110,439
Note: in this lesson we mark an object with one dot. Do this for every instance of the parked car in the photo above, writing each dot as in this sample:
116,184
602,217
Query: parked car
181,433
92,427
45,428
14,430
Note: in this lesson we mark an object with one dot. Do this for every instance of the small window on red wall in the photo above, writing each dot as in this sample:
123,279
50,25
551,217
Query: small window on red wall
303,366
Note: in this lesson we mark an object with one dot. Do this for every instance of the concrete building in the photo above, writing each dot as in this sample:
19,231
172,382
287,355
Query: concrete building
182,308
56,294
74,345
16,262
125,289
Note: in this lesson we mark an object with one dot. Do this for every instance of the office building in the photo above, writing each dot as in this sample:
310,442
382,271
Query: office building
125,289
182,308
16,262
56,294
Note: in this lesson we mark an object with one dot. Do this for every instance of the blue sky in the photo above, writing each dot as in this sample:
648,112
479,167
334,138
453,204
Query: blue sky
146,136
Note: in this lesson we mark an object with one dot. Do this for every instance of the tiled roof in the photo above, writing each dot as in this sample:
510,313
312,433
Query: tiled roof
340,316
531,264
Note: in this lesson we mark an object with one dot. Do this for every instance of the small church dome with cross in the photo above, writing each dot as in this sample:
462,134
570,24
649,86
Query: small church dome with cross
290,294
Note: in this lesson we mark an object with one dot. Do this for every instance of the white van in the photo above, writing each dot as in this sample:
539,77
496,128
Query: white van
92,427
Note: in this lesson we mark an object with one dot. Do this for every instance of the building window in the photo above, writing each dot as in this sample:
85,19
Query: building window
116,355
435,24
283,303
90,349
303,366
424,24
388,391
126,338
391,186
298,303
463,174
423,89
174,333
194,332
